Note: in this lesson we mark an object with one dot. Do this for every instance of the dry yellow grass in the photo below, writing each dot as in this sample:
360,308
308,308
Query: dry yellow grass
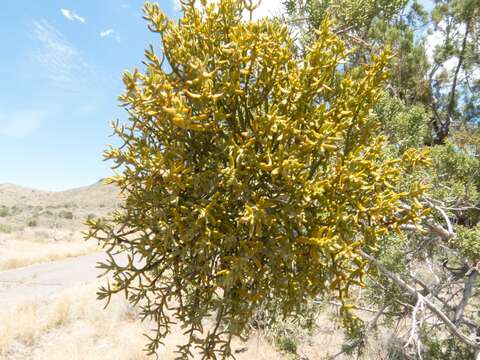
16,253
73,325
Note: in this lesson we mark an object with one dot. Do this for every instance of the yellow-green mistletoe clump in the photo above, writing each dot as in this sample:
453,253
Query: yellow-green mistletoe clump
251,175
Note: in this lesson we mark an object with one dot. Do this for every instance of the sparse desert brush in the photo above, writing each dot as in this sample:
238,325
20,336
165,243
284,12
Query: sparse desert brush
73,325
69,205
76,317
32,250
46,213
65,214
4,211
6,228
32,222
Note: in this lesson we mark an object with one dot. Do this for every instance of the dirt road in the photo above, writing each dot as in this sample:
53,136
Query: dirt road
37,282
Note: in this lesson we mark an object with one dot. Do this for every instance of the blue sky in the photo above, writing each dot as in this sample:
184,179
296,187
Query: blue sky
60,79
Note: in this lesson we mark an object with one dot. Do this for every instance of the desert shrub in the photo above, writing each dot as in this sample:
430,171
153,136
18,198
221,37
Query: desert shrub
287,344
4,211
6,228
46,213
91,216
32,223
70,205
66,214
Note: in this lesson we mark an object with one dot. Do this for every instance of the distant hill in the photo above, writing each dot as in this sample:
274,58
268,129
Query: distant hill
92,195
20,206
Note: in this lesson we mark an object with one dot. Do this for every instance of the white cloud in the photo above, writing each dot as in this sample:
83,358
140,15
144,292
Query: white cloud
268,8
176,5
70,15
107,32
61,60
21,123
433,40
436,38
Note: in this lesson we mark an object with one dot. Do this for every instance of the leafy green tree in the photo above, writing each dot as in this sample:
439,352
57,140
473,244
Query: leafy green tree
369,26
253,176
430,270
455,74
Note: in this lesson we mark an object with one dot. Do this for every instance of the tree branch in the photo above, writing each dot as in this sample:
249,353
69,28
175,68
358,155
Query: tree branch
451,327
451,104
467,293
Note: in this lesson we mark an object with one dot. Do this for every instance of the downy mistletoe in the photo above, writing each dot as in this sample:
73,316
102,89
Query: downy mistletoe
252,175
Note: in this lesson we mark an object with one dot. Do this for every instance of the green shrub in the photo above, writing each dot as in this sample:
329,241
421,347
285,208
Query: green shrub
287,344
4,211
66,214
6,228
32,223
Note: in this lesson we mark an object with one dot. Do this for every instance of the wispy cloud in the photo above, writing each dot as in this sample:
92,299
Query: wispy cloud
107,32
268,8
176,5
21,124
61,60
70,15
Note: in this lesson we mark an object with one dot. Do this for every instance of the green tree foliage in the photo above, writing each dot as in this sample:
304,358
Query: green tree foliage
405,126
430,104
252,176
447,84
367,27
455,72
359,17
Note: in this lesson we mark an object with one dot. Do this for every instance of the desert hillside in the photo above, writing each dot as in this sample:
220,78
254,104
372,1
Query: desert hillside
19,205
38,226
